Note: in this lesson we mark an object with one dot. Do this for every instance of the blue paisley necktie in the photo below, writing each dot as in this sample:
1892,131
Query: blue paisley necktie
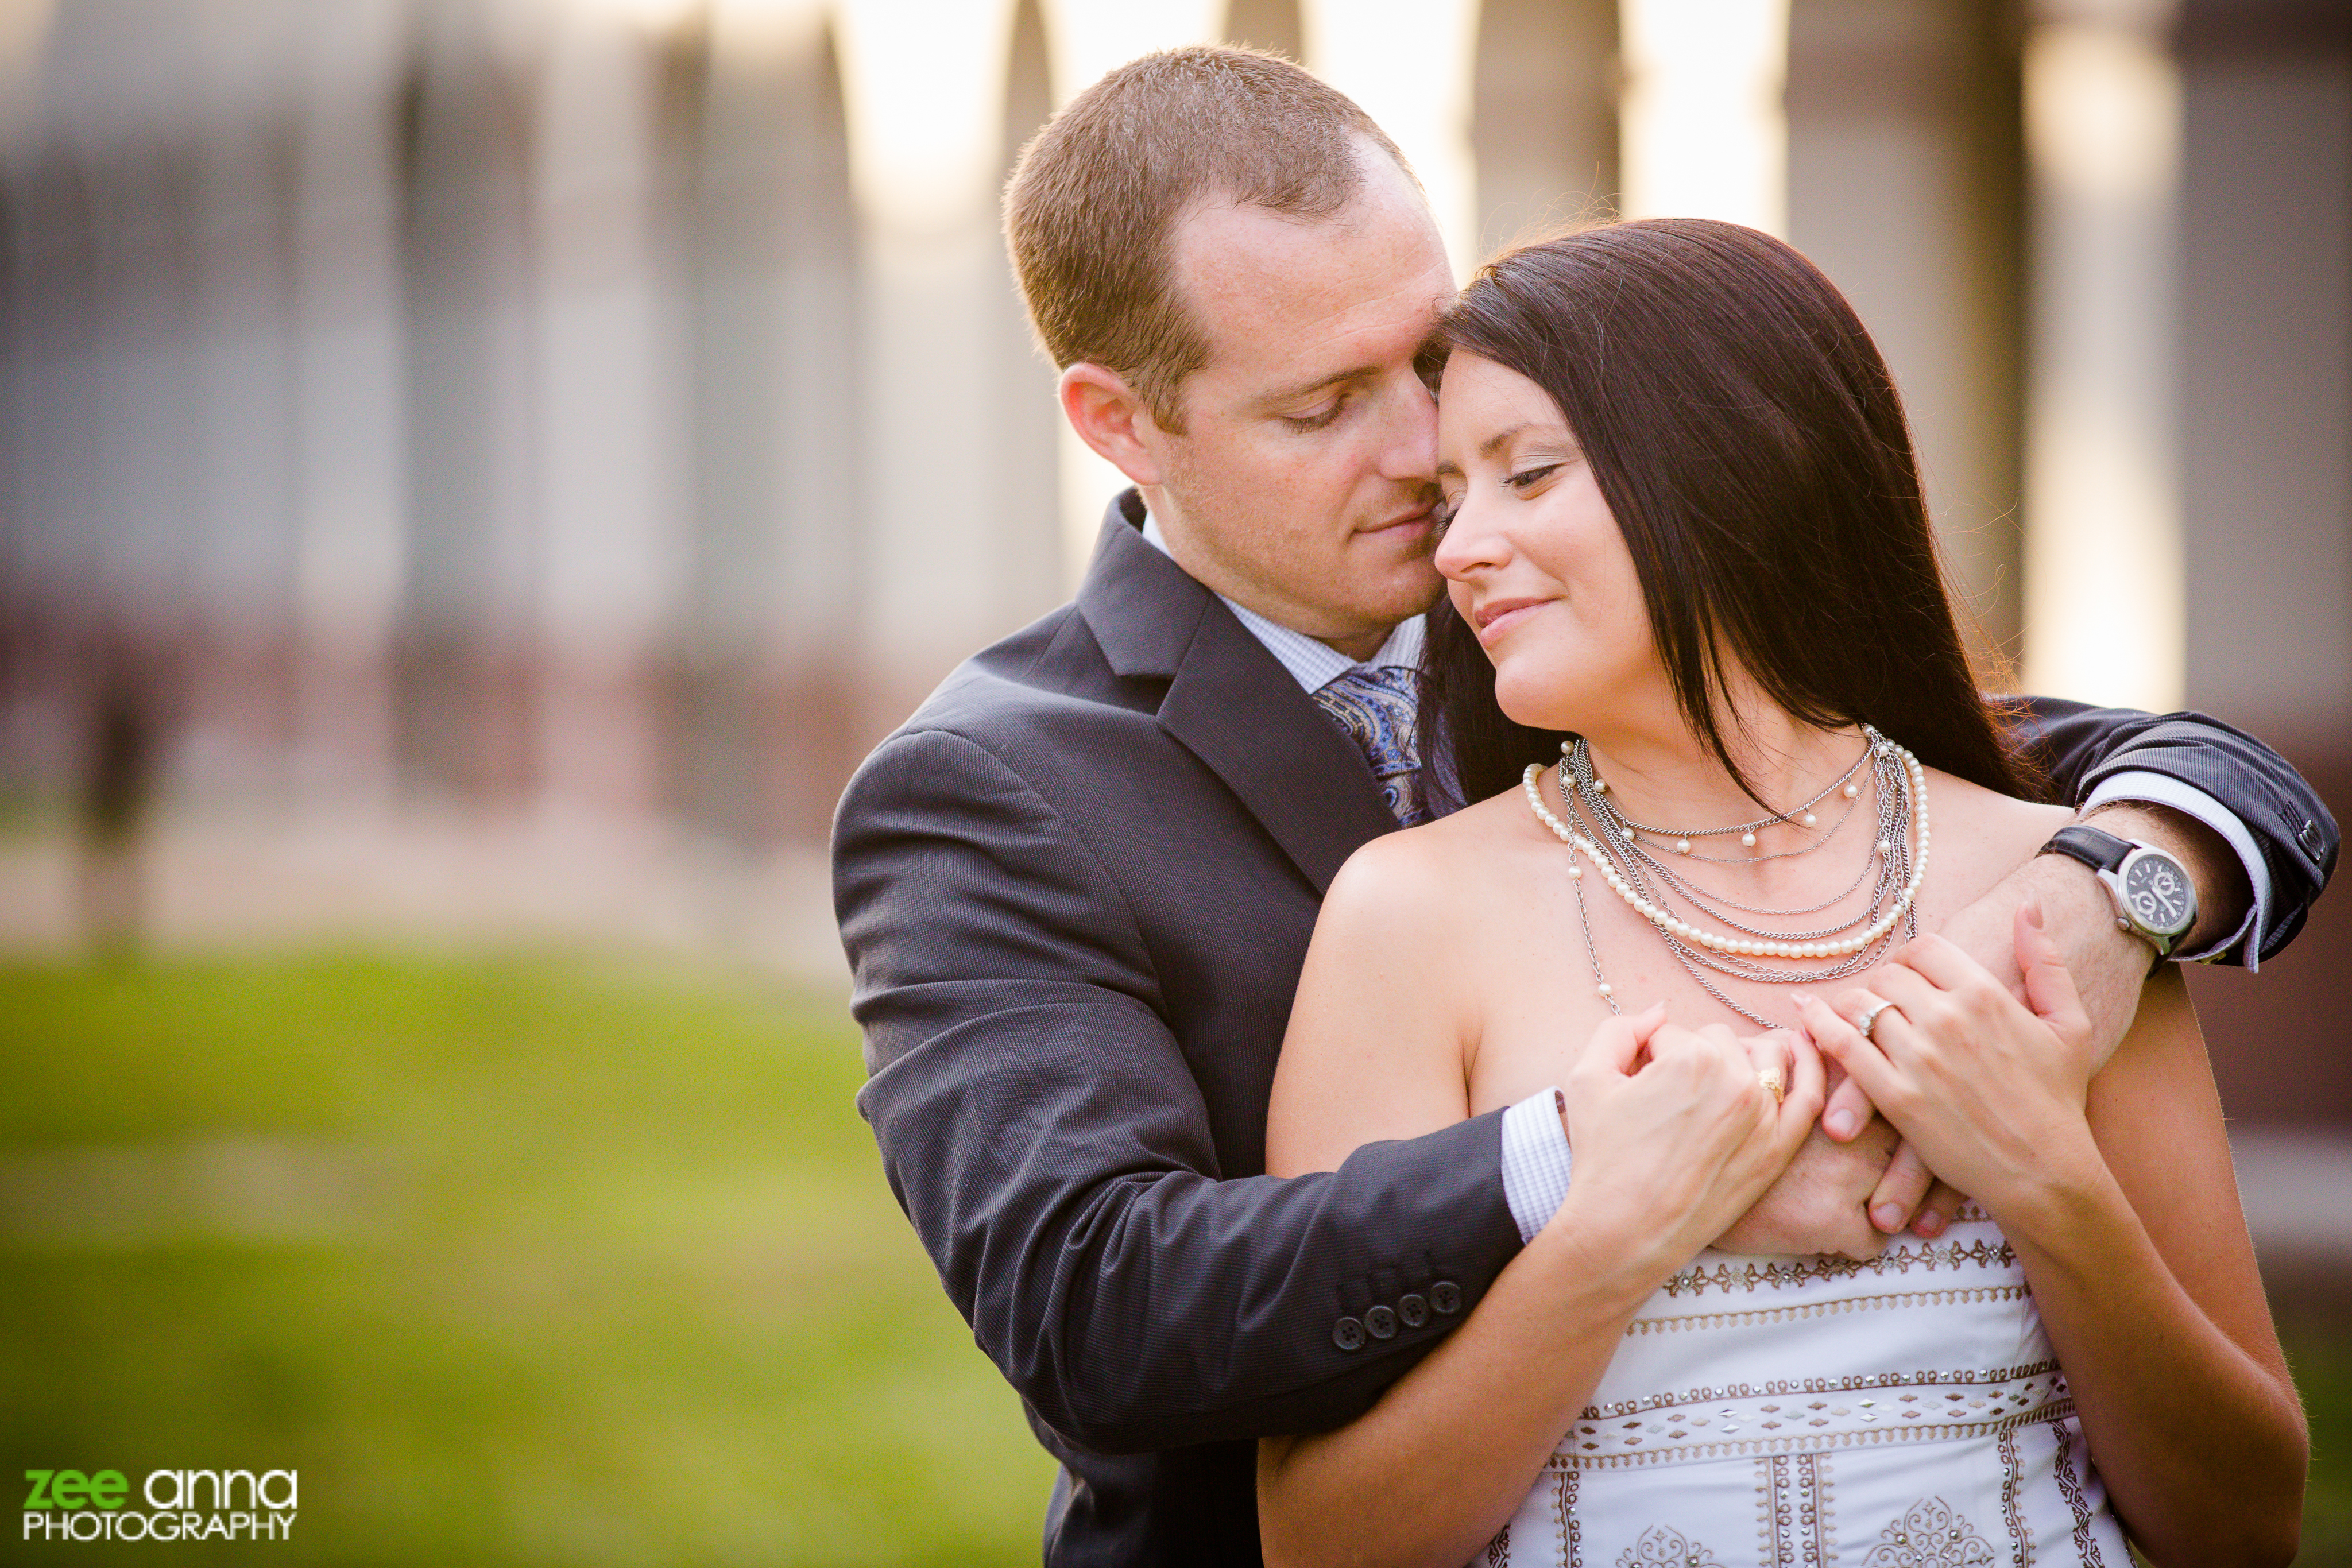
1376,707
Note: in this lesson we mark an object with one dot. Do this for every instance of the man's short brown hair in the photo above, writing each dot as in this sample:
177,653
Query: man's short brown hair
1091,210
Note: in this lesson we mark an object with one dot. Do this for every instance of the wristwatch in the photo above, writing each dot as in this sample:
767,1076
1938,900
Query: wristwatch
2155,899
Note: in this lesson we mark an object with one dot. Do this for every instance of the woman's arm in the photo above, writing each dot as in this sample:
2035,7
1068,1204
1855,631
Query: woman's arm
2118,1195
1674,1138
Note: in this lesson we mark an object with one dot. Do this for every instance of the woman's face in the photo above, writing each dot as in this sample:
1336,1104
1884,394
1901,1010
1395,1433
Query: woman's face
1534,561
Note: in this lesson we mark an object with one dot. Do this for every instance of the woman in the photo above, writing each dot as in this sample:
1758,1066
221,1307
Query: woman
1684,531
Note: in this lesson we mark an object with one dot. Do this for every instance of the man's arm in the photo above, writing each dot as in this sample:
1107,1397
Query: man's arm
2257,836
2256,839
1041,1128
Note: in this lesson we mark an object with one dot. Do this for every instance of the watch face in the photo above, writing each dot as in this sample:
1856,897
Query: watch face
2157,892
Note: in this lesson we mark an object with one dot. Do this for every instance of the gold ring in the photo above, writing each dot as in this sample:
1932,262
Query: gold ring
1771,1079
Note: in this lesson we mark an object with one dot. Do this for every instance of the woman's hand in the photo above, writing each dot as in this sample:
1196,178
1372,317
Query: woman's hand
1991,1093
1676,1135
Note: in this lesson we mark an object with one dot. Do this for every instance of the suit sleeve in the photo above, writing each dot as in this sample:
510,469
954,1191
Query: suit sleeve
2078,747
1040,1127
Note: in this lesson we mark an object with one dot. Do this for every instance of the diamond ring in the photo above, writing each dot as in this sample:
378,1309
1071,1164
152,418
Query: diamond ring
1869,1021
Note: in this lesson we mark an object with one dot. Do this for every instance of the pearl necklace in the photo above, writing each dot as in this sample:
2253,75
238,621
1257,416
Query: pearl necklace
1737,952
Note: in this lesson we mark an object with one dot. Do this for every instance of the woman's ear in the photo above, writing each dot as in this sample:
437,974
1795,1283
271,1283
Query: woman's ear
1109,417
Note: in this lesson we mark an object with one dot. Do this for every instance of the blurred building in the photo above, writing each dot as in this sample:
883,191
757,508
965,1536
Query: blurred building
622,406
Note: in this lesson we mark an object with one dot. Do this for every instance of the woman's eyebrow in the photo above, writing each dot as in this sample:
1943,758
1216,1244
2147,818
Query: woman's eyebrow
1494,444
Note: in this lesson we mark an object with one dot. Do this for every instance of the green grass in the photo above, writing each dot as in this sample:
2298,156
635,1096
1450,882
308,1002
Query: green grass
2321,1355
578,1264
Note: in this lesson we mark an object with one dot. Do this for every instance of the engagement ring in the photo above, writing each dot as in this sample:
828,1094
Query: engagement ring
1869,1021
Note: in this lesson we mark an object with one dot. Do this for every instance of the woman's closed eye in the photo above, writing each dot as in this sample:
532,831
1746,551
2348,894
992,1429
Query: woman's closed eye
1526,479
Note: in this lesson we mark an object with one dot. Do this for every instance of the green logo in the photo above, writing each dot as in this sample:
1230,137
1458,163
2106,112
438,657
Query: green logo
71,1488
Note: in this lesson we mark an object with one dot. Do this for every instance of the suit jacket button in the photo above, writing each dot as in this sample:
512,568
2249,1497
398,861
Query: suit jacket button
1413,1308
1445,1296
1347,1334
1380,1322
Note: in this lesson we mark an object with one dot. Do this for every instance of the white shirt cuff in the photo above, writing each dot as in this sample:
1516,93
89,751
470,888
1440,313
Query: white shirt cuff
2163,790
1535,1160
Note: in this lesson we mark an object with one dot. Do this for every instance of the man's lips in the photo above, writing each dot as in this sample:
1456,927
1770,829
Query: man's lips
1497,616
1416,518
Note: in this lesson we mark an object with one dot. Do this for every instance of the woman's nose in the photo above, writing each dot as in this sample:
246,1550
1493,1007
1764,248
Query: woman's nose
1469,542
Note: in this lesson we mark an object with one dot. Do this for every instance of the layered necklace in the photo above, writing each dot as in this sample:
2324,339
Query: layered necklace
1637,862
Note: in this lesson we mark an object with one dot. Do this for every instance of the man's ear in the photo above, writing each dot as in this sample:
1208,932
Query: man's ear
1108,416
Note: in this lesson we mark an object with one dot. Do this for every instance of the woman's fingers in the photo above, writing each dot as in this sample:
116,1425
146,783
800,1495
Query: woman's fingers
1945,962
1618,1042
1808,1089
2049,985
1865,1063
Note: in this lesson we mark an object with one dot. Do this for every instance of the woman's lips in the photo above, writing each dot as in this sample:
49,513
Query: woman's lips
1496,619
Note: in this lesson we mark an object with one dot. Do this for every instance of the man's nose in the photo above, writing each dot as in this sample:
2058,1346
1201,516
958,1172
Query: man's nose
1409,450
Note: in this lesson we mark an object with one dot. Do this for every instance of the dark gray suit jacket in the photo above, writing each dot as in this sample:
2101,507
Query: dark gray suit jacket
1076,890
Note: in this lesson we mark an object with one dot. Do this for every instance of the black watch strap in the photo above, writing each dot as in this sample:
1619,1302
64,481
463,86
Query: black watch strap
2099,850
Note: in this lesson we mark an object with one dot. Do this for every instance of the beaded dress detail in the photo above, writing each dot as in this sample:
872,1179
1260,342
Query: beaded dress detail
1907,1412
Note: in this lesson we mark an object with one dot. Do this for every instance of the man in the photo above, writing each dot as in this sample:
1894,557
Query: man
1075,888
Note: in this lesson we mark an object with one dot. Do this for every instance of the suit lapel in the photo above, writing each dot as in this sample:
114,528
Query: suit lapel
1230,703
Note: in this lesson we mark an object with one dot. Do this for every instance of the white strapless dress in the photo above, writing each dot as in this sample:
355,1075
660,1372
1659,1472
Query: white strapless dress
1809,1412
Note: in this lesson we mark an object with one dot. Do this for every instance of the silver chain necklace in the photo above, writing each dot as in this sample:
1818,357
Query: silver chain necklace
1614,848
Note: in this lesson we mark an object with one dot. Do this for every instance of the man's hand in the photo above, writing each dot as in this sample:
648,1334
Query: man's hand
2109,964
1817,1205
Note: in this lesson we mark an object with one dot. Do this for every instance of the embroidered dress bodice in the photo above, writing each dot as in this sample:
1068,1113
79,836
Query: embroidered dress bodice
1810,1412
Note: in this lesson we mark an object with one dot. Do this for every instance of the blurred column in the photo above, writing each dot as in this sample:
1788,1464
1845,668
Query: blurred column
350,496
1410,63
1545,116
243,147
1702,129
467,619
1273,24
2103,606
1026,418
2266,372
608,153
767,656
1905,185
1086,39
923,84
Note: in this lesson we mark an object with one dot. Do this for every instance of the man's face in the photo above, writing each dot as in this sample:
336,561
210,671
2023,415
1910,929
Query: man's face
1301,485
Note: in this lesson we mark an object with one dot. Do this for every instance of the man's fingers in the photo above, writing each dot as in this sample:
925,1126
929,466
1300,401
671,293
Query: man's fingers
1937,1214
1900,1189
1847,1111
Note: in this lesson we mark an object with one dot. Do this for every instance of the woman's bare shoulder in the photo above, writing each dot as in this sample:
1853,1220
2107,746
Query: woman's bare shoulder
1436,856
1986,828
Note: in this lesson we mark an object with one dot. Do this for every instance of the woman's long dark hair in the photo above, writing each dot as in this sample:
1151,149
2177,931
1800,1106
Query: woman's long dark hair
1753,447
